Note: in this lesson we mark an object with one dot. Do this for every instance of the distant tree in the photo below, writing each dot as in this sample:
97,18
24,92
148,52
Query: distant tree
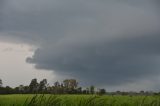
1,83
87,90
73,83
92,89
33,87
84,91
56,87
70,83
50,89
2,89
142,92
79,90
62,89
26,89
57,84
16,90
102,91
68,86
21,89
118,92
42,85
8,90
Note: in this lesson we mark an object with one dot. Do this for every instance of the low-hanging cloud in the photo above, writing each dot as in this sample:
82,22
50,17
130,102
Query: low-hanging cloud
102,42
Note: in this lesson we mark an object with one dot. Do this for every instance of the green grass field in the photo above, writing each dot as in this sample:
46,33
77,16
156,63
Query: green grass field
78,100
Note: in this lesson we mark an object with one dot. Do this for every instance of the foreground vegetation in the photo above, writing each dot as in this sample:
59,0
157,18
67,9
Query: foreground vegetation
78,100
68,93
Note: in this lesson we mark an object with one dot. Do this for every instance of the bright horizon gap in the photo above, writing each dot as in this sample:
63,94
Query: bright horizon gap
14,70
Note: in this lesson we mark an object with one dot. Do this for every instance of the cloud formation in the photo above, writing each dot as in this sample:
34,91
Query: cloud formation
102,42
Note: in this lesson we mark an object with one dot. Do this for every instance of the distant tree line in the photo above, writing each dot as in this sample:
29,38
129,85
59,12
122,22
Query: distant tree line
68,86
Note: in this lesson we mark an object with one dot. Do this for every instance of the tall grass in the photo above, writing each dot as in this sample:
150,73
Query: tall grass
80,100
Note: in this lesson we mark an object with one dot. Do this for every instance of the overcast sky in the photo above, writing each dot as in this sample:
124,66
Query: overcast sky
107,43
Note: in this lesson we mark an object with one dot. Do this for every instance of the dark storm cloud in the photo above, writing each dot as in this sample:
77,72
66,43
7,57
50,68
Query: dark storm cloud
110,62
101,41
1,12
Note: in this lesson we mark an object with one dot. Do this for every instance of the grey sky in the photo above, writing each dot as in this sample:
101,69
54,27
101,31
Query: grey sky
112,42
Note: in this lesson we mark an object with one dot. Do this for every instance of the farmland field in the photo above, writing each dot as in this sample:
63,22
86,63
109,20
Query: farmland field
78,100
